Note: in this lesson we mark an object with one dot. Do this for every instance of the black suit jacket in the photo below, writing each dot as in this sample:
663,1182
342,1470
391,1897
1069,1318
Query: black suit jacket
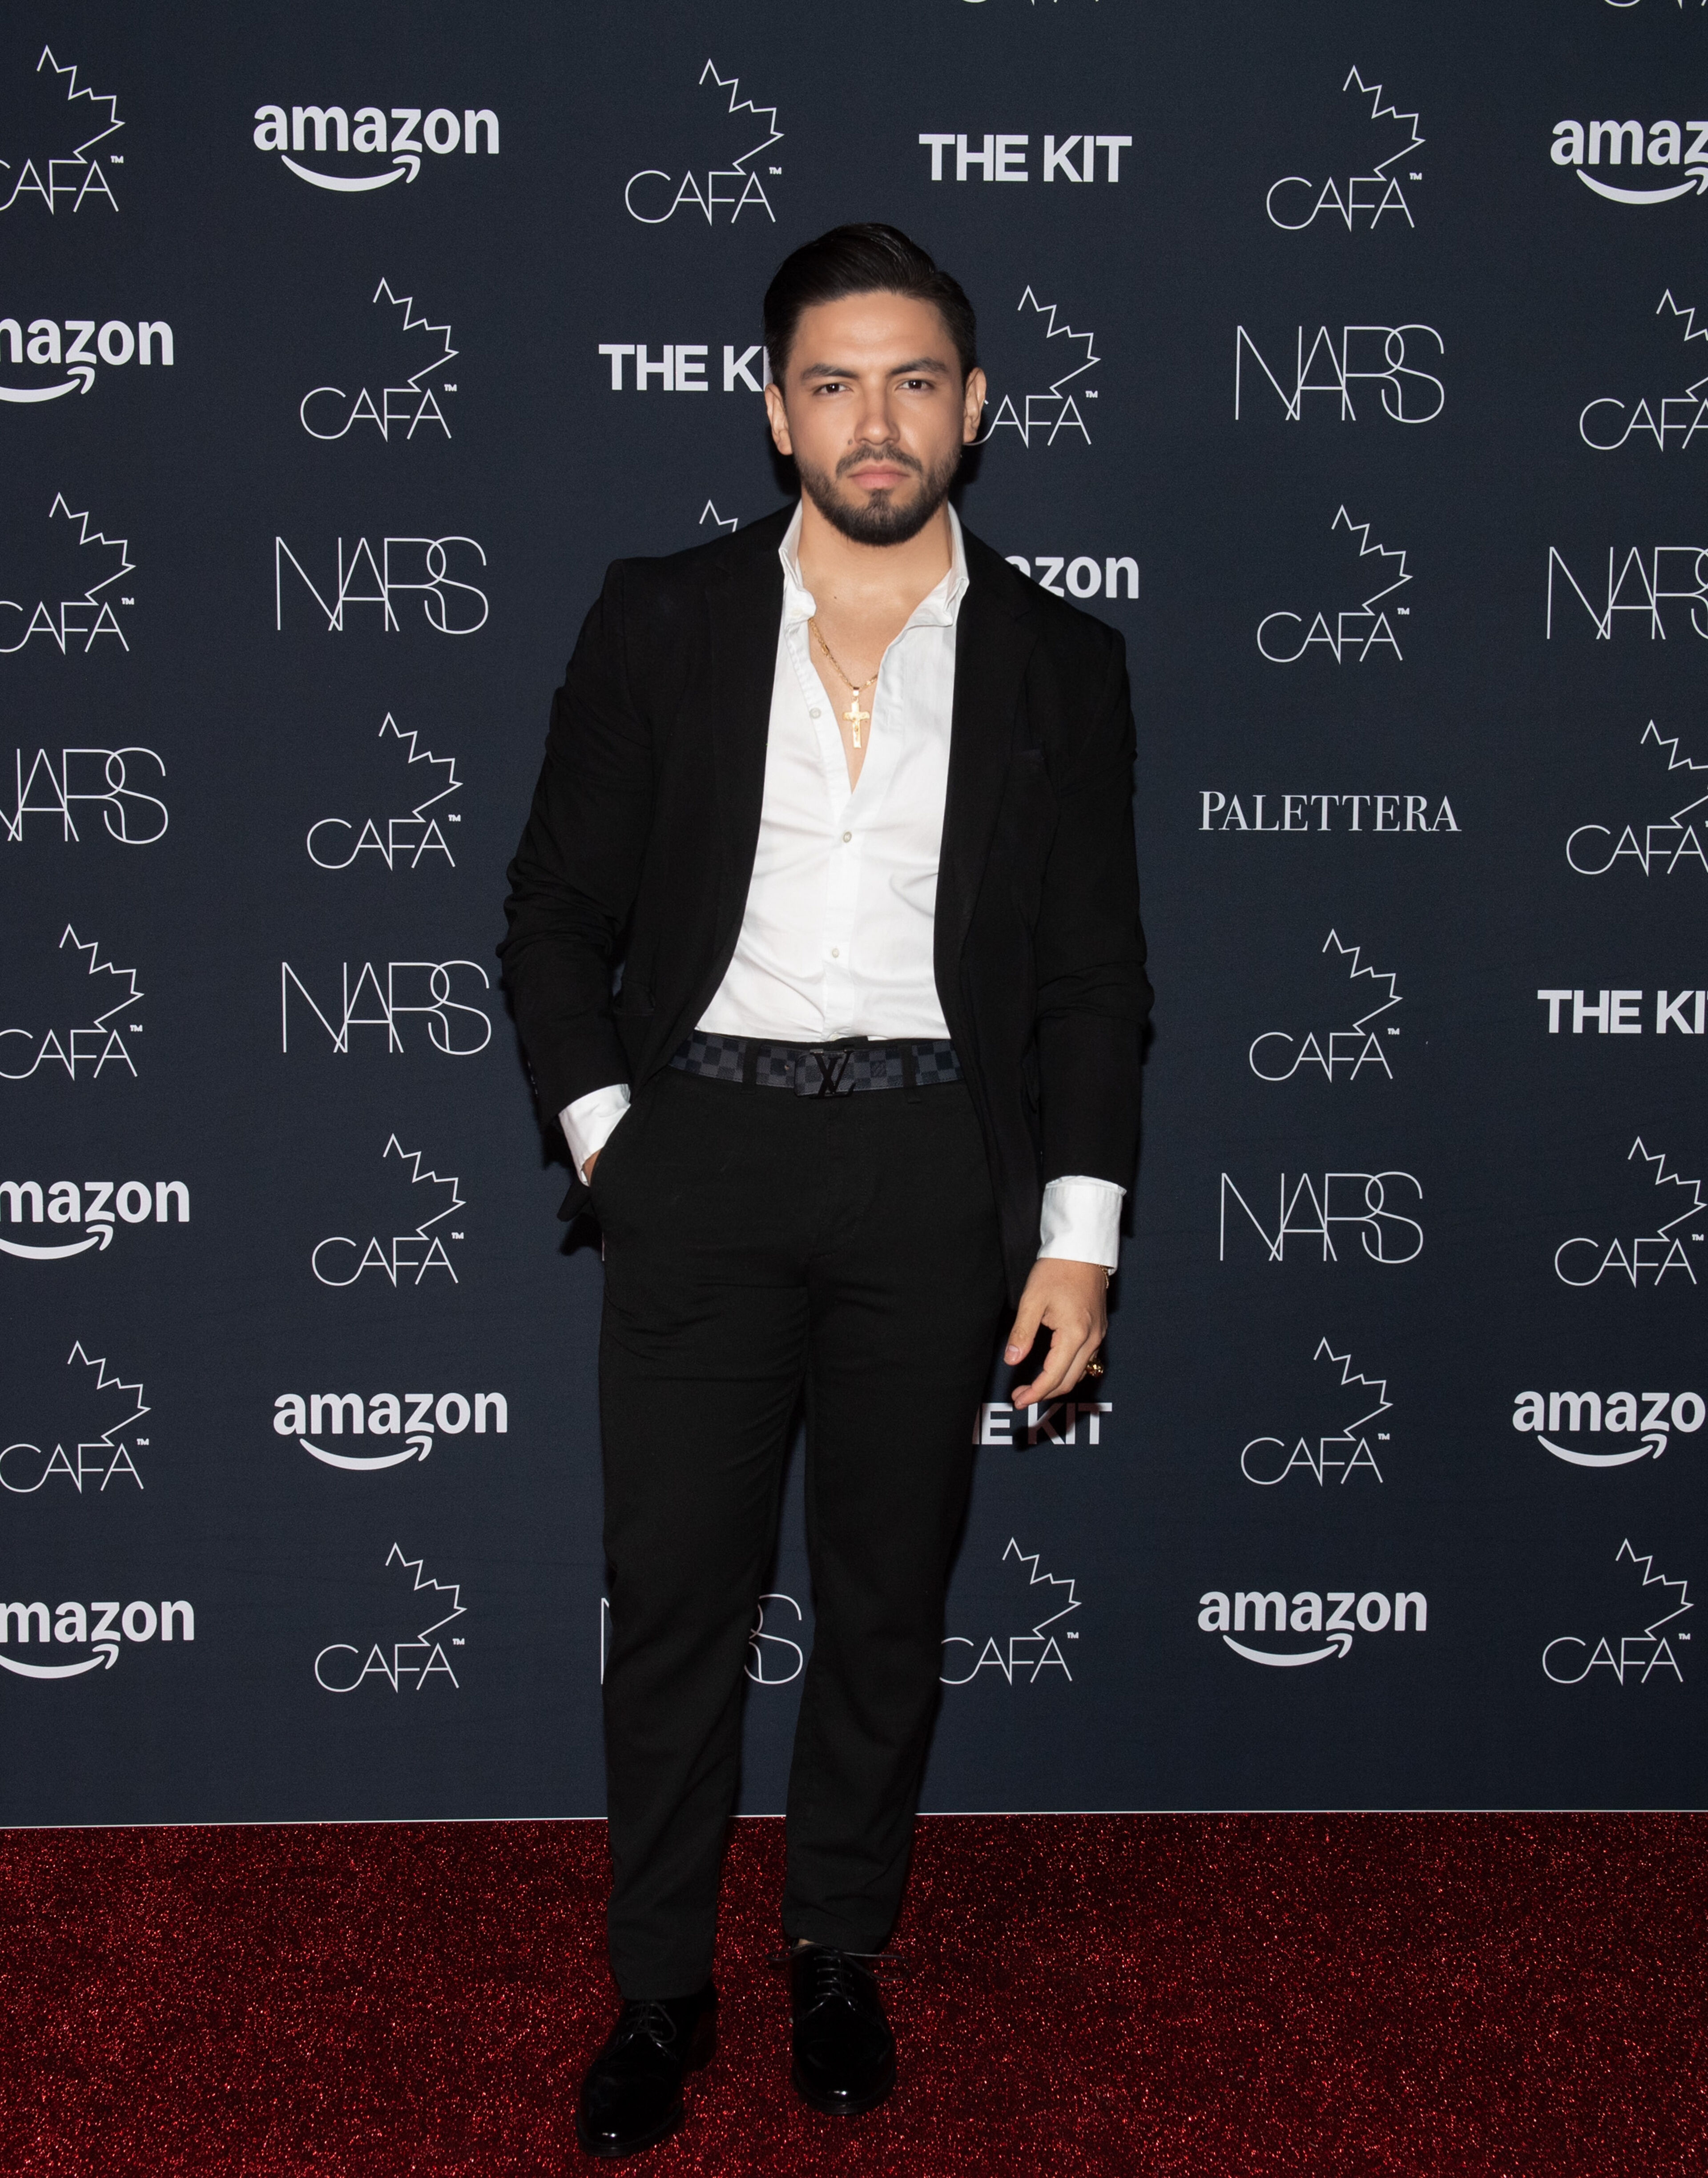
647,818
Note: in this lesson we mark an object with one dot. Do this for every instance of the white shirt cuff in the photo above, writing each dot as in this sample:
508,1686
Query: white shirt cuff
590,1121
1081,1221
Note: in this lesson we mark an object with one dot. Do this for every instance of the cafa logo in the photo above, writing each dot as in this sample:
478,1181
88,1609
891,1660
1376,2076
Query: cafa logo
410,1417
329,412
1046,414
731,187
1656,847
1359,201
101,1403
1670,421
1343,631
94,1625
1569,1658
1338,1054
60,788
401,841
1258,1610
1582,145
58,1046
40,341
1643,1258
1344,1451
1651,1418
405,1666
370,132
1023,1655
401,1258
68,610
50,163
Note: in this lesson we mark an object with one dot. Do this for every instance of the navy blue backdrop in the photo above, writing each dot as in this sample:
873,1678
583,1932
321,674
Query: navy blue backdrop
1349,358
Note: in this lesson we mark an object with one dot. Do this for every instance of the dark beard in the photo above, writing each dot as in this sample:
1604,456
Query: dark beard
882,520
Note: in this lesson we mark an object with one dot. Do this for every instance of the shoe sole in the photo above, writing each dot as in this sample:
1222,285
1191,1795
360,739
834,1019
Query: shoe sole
843,2105
662,2132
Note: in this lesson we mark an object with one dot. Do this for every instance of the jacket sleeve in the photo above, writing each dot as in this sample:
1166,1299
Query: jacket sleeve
1092,993
575,874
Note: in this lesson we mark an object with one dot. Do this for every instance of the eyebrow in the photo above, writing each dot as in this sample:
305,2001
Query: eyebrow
920,363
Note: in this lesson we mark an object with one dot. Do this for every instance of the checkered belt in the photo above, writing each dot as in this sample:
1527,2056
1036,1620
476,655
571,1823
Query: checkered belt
828,1070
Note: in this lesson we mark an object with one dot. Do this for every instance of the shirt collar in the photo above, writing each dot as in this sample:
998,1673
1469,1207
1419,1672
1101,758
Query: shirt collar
938,608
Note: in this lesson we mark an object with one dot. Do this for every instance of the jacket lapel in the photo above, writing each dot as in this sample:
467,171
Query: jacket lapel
993,637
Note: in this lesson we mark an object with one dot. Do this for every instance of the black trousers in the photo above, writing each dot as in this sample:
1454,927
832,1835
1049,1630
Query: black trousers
757,1243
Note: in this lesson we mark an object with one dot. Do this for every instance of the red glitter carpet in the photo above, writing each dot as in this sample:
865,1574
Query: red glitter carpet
1181,1996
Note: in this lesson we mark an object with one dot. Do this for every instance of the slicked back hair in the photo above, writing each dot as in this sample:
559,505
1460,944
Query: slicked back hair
863,259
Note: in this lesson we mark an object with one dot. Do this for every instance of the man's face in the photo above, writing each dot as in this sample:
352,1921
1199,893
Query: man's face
873,410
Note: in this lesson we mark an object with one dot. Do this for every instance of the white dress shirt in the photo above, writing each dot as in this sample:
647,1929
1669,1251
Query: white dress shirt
836,937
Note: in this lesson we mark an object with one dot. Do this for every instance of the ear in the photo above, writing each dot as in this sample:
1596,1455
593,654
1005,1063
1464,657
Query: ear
778,416
973,409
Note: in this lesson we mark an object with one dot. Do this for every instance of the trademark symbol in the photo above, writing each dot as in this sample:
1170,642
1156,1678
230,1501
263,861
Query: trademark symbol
1073,1637
1393,1032
455,815
115,158
140,1442
775,170
1405,611
1381,1437
449,387
126,601
135,1027
1413,178
1090,393
1682,1637
456,1640
456,1236
1695,1236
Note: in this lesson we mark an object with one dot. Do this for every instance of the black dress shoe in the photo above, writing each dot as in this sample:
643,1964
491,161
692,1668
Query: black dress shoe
845,2054
632,2098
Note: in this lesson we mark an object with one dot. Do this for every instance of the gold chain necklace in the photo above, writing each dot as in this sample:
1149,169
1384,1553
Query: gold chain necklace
853,715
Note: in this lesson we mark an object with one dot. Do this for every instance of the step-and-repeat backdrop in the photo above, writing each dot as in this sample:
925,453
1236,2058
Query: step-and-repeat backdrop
1353,362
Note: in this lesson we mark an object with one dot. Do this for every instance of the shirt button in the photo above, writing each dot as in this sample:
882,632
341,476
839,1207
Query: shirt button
835,953
815,715
847,837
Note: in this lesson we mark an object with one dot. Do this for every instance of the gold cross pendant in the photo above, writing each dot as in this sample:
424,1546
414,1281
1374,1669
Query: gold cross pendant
857,718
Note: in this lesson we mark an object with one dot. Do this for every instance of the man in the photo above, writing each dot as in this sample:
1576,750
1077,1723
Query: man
859,798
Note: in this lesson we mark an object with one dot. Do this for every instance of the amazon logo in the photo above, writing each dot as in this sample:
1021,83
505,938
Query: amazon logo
98,1206
1315,1627
1641,1424
1663,145
402,135
406,1423
96,1626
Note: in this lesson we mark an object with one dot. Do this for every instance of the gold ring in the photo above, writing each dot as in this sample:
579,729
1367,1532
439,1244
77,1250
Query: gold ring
1094,1367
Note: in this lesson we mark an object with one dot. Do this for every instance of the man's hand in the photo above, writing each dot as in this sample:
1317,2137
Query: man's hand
1070,1300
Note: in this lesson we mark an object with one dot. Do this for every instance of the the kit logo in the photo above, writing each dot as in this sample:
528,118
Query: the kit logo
70,617
49,164
1665,585
1054,407
1267,1612
681,367
411,1417
386,569
1055,1421
1613,1012
69,351
1026,1655
399,842
329,413
1343,631
1569,1658
1309,1209
54,785
96,1626
1651,1418
1658,847
1361,200
79,1050
402,1258
1222,812
405,1666
106,1456
402,134
385,997
1004,158
1344,1451
1643,1258
1363,370
1670,421
93,1204
731,188
1338,1054
1582,145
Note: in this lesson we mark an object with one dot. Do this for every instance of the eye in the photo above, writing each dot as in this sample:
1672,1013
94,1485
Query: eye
832,385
